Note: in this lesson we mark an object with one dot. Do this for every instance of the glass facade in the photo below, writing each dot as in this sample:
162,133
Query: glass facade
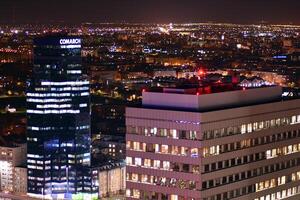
58,112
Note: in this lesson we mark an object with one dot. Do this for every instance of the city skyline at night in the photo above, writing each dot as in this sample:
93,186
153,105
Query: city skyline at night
155,11
149,100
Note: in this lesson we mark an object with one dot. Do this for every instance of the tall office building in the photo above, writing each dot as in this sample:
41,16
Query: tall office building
59,140
213,143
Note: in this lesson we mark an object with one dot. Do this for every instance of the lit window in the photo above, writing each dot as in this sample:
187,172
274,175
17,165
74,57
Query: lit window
144,178
129,160
268,154
156,163
166,165
243,129
153,131
138,161
156,148
194,152
147,163
249,128
136,194
164,149
174,133
134,177
294,119
136,146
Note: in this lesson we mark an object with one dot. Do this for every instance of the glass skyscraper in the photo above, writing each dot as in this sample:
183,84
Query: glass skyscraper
58,112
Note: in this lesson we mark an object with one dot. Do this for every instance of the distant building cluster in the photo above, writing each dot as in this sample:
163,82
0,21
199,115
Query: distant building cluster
196,111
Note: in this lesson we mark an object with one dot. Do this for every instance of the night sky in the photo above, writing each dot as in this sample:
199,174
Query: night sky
158,11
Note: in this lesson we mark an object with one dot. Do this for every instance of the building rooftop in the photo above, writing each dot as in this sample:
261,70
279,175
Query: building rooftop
208,98
109,166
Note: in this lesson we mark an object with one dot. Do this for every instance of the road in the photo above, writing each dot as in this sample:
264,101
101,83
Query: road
8,196
117,197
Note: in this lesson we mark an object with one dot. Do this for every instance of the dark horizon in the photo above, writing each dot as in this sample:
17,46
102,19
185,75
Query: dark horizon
145,11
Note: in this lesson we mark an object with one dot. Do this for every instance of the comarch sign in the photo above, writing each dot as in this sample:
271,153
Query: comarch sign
70,43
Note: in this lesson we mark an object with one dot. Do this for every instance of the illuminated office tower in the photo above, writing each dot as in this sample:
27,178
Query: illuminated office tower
58,110
213,143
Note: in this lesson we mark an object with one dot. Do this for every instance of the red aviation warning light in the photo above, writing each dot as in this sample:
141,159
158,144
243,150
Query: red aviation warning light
201,72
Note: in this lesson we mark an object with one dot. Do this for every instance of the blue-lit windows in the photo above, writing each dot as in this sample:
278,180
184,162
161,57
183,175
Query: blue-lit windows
58,122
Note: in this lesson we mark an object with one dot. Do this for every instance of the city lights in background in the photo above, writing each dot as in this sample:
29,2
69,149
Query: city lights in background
156,101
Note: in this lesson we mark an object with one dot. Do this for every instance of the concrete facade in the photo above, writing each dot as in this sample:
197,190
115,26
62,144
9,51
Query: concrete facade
111,181
249,152
10,157
20,180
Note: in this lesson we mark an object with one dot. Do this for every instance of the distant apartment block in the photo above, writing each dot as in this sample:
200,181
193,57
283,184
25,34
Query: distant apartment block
10,158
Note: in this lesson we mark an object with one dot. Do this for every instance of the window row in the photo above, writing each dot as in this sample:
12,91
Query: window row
233,193
148,195
162,165
250,174
161,181
163,132
282,194
269,154
162,148
273,153
248,143
250,127
234,162
267,184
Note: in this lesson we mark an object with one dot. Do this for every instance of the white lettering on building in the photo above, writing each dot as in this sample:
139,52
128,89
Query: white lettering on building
70,41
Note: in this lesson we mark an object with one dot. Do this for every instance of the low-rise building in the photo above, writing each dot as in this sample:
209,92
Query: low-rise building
111,180
10,157
20,180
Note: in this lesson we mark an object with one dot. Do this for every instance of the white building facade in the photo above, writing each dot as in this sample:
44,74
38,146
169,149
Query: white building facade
242,149
10,157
